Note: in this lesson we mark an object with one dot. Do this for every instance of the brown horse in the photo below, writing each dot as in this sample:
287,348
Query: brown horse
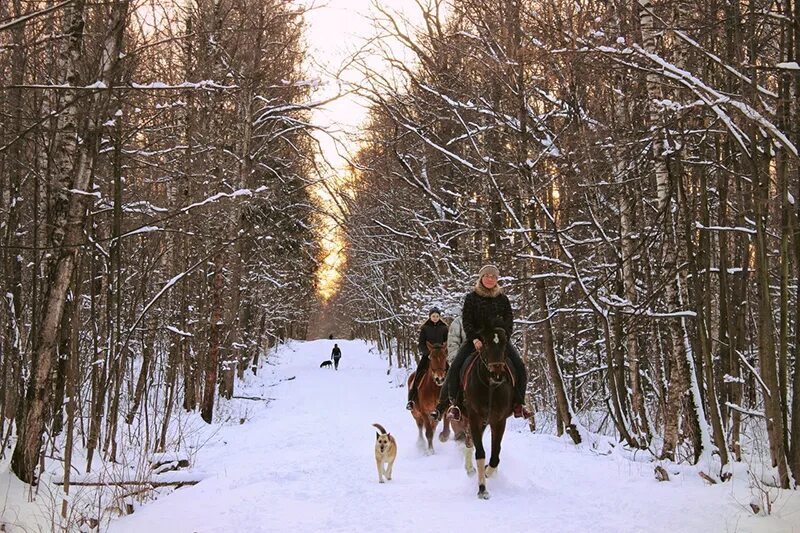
428,394
488,400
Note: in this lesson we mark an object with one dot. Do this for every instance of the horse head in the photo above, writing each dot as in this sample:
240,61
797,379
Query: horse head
437,354
493,354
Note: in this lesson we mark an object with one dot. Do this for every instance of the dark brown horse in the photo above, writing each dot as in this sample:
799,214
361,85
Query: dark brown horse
428,392
488,400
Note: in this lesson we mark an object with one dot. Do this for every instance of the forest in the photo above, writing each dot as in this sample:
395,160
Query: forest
631,166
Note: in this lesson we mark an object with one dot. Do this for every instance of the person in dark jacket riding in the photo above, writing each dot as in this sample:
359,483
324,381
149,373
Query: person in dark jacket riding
434,330
486,306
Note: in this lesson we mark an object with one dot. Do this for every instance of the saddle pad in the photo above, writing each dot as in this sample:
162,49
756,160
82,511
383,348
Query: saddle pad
467,368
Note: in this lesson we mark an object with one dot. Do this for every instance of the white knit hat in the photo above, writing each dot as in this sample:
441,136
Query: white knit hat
488,269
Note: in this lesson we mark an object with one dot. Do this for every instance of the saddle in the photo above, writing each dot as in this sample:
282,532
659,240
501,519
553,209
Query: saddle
469,364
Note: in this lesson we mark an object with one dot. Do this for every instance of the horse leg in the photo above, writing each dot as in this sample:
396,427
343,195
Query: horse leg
445,434
476,428
468,466
498,429
430,428
420,422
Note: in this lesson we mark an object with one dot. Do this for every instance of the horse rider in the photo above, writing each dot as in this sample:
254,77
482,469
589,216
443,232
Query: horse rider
485,306
434,330
455,338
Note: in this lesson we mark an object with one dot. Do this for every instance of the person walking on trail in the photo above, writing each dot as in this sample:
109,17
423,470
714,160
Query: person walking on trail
336,354
455,338
485,307
434,330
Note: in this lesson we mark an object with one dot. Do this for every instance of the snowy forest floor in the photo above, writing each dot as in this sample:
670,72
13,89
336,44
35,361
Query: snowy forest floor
303,461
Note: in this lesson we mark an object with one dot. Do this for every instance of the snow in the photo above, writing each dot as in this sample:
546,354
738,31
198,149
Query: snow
203,84
304,462
750,231
84,193
215,197
180,332
143,229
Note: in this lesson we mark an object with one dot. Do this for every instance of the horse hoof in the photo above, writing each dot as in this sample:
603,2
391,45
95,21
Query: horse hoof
429,451
490,470
443,437
484,494
470,471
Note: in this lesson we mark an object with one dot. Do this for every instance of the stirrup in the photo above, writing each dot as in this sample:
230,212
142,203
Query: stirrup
410,405
520,411
454,413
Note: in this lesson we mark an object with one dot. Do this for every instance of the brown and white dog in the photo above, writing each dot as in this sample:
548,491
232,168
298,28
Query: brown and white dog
385,453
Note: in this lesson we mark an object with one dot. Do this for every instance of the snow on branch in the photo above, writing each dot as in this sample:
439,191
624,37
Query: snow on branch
205,85
177,331
744,410
674,314
700,226
716,100
214,198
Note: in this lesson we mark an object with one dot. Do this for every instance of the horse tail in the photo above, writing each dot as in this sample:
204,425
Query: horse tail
380,427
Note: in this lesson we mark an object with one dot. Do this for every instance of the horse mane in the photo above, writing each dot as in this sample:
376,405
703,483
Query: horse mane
442,347
487,332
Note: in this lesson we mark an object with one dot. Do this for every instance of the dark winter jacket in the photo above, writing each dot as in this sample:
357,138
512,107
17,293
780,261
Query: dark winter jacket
484,308
433,333
336,353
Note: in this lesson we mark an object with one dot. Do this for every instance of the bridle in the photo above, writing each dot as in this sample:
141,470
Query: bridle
492,368
431,370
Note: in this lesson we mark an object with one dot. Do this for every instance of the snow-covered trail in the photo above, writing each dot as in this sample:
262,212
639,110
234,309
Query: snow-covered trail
305,462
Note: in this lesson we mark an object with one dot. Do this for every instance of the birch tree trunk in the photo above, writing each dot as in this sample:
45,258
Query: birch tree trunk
679,378
38,399
794,119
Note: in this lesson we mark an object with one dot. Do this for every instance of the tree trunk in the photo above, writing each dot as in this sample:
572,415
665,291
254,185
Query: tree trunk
564,409
141,382
72,401
760,148
212,361
794,459
677,355
38,400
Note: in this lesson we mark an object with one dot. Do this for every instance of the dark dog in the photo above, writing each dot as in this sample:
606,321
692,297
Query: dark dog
323,364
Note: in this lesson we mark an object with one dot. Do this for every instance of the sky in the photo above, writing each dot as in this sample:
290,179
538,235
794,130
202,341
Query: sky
336,30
